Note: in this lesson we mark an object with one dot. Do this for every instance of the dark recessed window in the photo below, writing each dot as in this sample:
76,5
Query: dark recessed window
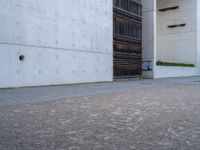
169,8
130,6
177,25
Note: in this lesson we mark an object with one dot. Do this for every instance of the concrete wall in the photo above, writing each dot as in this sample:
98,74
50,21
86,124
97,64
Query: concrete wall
177,44
167,72
65,41
198,34
149,35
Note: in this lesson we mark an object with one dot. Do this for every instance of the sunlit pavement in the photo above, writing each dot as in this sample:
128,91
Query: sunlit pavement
143,115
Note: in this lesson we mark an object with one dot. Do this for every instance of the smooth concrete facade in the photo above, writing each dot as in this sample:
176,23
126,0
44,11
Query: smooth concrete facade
149,35
179,45
63,42
198,31
67,42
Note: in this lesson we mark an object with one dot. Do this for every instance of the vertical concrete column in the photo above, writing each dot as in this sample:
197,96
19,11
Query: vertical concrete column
198,35
149,35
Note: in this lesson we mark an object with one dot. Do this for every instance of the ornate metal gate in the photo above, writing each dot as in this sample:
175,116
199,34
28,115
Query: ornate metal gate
127,38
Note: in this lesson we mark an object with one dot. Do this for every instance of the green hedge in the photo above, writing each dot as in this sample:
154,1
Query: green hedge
161,63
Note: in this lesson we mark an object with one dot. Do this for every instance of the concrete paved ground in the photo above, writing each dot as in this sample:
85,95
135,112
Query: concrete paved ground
149,114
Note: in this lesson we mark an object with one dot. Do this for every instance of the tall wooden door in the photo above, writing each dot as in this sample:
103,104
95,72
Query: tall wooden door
127,38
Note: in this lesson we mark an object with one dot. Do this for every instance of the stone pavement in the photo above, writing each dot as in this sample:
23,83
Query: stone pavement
142,115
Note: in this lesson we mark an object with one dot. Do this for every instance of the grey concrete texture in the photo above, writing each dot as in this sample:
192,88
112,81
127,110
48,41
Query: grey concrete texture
149,114
63,42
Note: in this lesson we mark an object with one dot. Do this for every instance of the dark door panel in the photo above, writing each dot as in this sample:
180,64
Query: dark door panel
127,38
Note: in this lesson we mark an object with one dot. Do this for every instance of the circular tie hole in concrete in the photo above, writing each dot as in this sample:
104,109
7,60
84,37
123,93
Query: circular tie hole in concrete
21,57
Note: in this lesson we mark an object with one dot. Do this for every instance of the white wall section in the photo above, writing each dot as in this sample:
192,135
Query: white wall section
198,34
149,35
179,44
63,42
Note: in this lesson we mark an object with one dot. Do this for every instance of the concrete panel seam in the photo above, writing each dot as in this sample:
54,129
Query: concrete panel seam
57,48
